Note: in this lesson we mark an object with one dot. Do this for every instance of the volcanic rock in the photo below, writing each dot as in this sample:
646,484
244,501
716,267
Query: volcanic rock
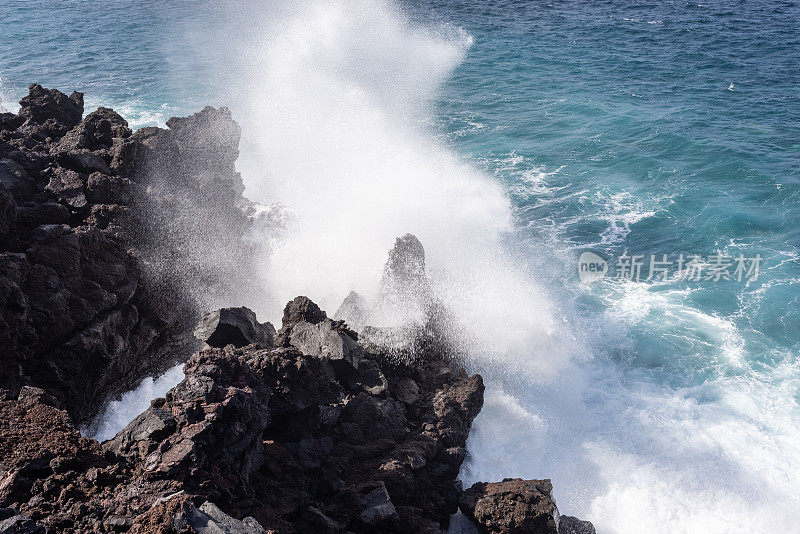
51,109
353,311
95,222
233,326
513,506
322,340
301,309
572,525
269,433
20,524
406,264
209,519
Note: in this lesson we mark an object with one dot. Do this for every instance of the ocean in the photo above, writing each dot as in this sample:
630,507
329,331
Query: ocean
511,137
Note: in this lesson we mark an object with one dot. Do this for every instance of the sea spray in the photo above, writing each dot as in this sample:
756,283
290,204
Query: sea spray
336,128
118,413
336,118
336,114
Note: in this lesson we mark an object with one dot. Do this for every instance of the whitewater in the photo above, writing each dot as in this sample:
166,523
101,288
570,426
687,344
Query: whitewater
649,409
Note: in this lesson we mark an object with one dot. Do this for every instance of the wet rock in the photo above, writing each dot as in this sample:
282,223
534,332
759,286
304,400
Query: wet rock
210,135
109,189
322,340
9,121
572,525
103,218
353,311
81,160
407,391
304,430
8,216
406,263
234,326
405,297
513,506
301,309
267,433
312,519
14,306
33,214
16,181
378,507
98,130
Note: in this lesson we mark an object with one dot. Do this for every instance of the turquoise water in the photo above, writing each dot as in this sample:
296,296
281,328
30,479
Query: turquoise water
669,129
664,406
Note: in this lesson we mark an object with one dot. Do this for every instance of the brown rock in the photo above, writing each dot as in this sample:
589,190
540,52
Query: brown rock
513,506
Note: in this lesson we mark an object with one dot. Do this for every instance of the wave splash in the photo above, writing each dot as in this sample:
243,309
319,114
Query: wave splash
338,108
336,130
335,104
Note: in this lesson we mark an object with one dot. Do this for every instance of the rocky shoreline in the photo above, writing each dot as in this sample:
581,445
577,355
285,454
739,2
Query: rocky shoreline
318,426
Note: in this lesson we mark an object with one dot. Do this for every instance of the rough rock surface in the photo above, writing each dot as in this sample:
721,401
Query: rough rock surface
292,440
233,326
92,231
513,506
572,525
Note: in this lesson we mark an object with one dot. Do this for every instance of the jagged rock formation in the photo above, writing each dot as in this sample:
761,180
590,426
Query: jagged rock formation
98,255
233,326
299,440
572,525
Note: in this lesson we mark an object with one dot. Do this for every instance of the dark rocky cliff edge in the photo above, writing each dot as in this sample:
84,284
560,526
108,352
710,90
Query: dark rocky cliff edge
113,244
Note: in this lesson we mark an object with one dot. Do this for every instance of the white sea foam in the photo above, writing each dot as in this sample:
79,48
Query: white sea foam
7,103
137,112
623,210
117,414
336,112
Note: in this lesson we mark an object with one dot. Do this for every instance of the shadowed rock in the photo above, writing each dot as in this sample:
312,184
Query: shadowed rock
310,429
95,222
572,525
98,130
233,326
50,106
20,524
301,309
209,519
267,433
